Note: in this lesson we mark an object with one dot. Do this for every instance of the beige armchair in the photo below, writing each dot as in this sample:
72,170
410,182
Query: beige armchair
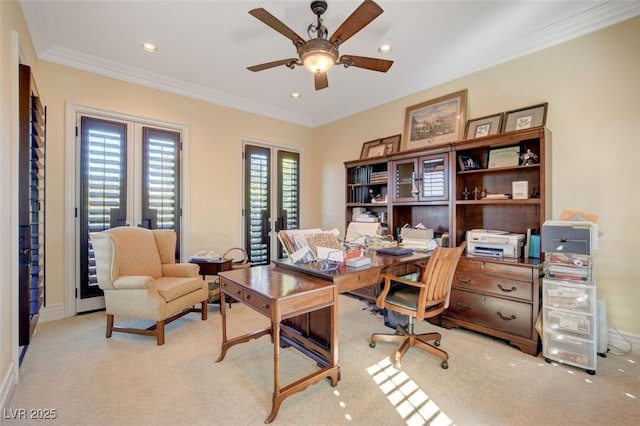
137,271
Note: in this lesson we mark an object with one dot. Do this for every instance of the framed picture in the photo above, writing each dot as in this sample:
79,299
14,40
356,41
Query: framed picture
366,146
484,126
376,150
435,122
468,162
524,118
504,157
392,144
380,147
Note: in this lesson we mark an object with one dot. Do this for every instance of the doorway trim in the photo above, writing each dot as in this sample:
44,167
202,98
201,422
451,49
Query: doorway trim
71,182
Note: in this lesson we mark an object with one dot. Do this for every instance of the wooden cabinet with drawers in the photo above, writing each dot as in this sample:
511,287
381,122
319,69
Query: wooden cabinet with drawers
500,298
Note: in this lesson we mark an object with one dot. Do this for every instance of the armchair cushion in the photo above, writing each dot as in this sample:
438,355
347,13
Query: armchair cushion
171,288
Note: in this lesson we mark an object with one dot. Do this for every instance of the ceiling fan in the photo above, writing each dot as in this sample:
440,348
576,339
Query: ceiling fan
320,53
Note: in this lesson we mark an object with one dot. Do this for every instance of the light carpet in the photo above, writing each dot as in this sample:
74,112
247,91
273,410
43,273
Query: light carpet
129,380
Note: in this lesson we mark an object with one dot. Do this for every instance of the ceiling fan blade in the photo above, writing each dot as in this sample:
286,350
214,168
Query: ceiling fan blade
373,64
321,80
276,24
288,62
360,18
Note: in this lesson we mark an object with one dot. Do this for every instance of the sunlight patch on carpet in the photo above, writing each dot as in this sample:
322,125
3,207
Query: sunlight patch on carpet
411,402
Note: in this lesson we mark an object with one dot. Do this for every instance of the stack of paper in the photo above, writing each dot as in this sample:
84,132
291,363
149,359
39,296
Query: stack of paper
418,239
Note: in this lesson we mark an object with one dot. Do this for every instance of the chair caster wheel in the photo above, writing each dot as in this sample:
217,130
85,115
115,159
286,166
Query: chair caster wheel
444,365
397,365
437,343
372,344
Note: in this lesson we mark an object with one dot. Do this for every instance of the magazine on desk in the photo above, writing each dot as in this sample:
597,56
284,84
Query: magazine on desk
311,245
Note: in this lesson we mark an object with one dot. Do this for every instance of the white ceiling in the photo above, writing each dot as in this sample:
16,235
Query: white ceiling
205,46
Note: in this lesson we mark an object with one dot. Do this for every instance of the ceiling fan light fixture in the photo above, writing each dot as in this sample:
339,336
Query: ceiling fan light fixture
149,47
318,55
385,48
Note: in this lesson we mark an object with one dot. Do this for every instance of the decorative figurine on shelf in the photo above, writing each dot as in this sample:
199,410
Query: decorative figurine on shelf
465,193
483,194
476,192
534,193
529,158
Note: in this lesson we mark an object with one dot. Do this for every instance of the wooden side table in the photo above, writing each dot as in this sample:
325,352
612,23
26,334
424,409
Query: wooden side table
213,268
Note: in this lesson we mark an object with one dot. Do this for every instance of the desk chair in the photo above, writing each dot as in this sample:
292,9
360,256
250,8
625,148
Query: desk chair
425,298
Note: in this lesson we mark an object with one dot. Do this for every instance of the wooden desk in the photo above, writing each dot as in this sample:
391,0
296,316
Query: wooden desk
348,279
280,295
315,325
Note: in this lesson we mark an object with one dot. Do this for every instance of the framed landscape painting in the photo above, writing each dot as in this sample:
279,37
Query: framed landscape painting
436,122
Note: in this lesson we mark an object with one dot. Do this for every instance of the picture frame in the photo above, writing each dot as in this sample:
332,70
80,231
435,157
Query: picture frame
484,126
380,147
504,157
376,151
435,122
525,118
392,144
468,162
364,154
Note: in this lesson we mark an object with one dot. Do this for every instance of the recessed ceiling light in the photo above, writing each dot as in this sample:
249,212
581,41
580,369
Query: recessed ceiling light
385,48
149,47
295,95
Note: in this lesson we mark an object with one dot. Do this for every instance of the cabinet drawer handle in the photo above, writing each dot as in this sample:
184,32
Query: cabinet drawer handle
466,282
507,290
512,317
462,307
265,306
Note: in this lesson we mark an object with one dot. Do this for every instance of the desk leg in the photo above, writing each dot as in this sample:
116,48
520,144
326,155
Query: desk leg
223,314
277,398
227,343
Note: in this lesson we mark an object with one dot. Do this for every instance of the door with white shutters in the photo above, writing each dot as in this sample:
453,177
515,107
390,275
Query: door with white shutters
271,199
129,176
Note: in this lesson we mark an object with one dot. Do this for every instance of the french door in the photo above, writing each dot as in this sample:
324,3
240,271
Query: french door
129,176
271,199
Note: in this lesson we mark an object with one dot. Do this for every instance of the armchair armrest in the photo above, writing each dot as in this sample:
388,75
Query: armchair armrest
180,270
132,281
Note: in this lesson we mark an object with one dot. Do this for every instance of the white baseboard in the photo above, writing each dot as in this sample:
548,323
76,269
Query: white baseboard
52,313
8,383
622,341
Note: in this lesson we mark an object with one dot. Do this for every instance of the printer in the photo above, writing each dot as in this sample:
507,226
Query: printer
487,242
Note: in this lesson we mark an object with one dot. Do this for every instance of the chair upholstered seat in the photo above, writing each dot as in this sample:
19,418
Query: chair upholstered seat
171,288
137,270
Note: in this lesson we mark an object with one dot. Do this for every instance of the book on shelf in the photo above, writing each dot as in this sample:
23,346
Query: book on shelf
497,196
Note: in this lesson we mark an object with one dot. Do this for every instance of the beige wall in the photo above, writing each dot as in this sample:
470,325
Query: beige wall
592,85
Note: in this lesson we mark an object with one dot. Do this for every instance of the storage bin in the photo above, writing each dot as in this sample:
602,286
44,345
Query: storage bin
569,350
567,295
569,323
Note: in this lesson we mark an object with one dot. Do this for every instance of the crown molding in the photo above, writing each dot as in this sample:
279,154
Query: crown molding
600,16
96,65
